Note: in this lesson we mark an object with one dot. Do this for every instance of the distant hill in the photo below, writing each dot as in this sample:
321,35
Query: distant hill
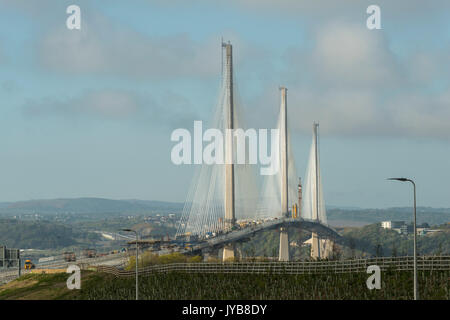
337,216
41,234
88,205
347,217
373,238
4,204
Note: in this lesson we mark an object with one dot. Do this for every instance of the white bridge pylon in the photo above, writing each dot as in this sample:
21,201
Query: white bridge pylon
208,208
314,203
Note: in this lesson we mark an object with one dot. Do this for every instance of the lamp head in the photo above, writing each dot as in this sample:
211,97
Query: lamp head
398,179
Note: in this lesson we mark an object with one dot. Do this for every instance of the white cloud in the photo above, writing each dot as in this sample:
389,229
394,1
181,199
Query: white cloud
116,105
352,55
100,103
102,47
346,112
427,67
9,86
403,8
423,115
344,75
346,55
350,81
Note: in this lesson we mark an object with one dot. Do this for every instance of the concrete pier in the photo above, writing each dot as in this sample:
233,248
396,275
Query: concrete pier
284,246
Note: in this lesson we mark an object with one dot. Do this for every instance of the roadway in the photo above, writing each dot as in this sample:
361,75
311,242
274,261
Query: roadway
117,259
246,233
112,260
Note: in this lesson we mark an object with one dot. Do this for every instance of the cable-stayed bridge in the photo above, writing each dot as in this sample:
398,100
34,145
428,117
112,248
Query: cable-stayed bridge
244,234
225,204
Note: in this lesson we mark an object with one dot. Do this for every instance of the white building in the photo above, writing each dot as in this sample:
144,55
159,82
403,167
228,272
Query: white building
392,224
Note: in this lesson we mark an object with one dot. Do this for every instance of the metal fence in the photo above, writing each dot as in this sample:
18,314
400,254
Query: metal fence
10,275
429,263
298,267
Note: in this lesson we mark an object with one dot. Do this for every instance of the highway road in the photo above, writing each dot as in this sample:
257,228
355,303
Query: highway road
247,232
113,260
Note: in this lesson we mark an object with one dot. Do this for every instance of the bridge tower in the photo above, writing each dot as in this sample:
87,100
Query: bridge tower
316,241
284,239
230,217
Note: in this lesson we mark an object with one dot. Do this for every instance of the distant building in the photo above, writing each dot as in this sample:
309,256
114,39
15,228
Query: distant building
392,224
405,229
402,228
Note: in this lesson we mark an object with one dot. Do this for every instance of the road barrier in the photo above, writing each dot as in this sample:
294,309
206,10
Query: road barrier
296,267
60,263
48,271
58,266
10,275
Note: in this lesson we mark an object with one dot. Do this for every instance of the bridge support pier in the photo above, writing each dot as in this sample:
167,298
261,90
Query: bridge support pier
284,245
327,251
229,252
205,256
315,246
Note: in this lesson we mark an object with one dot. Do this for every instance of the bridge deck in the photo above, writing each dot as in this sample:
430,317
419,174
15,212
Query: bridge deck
245,233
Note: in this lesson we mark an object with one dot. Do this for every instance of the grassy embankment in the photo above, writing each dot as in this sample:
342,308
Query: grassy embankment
395,285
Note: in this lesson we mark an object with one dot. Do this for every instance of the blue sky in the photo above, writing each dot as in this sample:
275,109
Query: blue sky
90,112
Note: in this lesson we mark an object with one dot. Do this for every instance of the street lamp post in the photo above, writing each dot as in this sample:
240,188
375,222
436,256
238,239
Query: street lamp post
416,294
137,257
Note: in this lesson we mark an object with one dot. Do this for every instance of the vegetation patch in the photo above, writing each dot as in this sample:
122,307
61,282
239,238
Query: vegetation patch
149,259
395,285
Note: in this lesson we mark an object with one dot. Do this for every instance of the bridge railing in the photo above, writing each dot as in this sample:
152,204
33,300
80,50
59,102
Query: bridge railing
230,236
297,267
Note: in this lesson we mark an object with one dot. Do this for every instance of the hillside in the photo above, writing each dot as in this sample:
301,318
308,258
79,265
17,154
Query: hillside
344,217
374,240
98,206
72,221
87,205
40,234
369,240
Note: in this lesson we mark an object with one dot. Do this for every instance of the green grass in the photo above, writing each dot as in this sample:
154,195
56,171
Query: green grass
174,286
37,286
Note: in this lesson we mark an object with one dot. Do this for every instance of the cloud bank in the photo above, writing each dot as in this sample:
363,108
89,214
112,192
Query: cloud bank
116,105
354,84
343,75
